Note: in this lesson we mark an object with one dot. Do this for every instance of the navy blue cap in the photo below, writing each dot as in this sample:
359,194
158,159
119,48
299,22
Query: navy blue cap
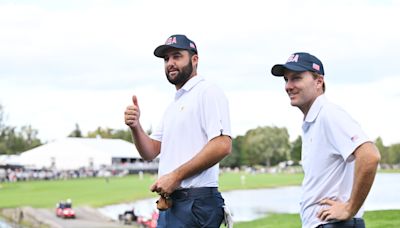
175,41
299,62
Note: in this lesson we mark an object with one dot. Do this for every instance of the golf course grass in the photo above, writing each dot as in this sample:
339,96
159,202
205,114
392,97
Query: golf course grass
97,192
373,219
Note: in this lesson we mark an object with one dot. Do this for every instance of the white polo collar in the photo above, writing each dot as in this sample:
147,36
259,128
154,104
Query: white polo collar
188,85
315,108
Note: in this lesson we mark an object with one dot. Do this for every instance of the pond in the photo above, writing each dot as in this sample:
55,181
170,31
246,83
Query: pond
3,224
247,205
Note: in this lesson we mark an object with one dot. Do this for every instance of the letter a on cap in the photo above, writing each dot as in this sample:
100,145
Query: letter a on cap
293,58
171,40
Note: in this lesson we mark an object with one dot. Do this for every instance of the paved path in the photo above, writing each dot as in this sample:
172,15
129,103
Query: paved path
85,217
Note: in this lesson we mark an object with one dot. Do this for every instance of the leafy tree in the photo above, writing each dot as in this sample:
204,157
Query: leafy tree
14,141
266,145
394,154
109,133
383,151
235,159
29,136
106,133
295,150
1,118
123,134
76,133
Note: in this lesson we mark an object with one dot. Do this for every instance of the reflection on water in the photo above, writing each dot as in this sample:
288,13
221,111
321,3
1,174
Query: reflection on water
3,224
385,193
142,208
247,205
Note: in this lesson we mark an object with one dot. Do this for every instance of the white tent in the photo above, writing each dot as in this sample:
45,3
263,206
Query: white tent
73,153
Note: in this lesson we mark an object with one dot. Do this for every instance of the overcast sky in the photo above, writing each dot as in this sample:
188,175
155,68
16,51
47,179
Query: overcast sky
68,62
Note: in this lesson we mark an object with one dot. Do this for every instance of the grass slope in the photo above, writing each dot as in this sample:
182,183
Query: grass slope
373,219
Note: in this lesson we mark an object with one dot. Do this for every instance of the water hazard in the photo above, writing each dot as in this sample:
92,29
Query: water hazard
247,205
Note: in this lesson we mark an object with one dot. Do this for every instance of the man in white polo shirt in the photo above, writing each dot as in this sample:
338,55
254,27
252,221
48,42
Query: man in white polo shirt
193,136
339,161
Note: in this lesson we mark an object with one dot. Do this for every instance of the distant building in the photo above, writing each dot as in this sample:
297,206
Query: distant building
75,153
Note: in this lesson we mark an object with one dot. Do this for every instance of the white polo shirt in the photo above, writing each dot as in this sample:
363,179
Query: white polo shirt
199,113
330,136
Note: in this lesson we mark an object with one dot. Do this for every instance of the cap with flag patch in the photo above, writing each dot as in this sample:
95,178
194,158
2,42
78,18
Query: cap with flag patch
299,62
175,41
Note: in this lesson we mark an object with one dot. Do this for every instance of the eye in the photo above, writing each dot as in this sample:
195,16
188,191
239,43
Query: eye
297,77
177,56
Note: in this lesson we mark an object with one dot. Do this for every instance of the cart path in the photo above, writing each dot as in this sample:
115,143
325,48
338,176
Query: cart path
85,217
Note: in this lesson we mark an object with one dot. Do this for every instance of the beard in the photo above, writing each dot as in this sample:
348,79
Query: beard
183,75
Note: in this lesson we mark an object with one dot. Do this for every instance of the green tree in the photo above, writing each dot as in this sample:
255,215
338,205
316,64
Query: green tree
295,150
109,133
3,148
103,133
13,140
394,154
123,134
236,157
266,145
76,133
383,151
1,118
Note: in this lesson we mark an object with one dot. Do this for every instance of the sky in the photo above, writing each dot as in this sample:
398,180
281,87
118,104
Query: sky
79,62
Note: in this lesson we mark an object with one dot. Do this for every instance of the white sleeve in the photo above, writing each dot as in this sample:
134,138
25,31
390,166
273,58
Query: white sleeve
157,134
215,117
343,132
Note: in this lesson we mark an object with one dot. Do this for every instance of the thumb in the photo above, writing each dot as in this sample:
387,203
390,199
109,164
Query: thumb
153,187
134,99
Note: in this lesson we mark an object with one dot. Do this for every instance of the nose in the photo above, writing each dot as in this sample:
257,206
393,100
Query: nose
288,85
169,62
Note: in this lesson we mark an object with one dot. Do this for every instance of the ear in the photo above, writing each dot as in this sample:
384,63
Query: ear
320,81
195,59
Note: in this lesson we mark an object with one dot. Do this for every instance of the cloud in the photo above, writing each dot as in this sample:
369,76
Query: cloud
70,62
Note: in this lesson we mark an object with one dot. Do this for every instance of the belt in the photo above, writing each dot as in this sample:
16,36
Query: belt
348,223
193,192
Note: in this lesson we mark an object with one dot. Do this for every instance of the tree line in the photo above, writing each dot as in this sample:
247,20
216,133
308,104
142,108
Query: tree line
262,146
14,140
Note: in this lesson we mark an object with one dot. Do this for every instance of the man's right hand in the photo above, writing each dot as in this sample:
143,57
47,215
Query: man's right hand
132,113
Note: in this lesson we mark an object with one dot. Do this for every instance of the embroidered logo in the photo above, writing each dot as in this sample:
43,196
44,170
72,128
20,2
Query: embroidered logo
315,66
293,58
354,138
171,40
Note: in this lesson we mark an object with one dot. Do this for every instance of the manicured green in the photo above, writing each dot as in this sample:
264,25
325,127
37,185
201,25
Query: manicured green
389,171
98,192
86,191
382,219
373,219
273,220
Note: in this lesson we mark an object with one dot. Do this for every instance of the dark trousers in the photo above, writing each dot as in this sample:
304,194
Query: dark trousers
193,207
355,223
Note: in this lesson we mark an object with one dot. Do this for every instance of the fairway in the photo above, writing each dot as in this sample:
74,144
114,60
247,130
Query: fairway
97,192
373,219
93,192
